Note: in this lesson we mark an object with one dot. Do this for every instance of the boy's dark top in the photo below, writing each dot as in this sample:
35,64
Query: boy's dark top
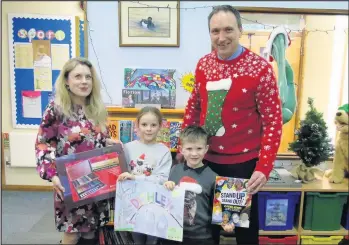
199,184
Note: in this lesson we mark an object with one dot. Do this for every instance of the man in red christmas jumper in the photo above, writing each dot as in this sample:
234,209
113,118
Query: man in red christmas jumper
236,99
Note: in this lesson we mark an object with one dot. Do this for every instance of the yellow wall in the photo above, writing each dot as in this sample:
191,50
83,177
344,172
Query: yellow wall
25,176
318,67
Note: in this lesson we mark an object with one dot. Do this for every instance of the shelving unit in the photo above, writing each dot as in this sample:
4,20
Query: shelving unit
322,185
317,186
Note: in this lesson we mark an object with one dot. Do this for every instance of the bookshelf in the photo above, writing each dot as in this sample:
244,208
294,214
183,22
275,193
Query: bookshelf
116,114
321,185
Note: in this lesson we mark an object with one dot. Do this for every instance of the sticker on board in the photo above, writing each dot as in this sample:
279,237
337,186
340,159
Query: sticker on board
40,34
22,33
60,35
50,35
31,34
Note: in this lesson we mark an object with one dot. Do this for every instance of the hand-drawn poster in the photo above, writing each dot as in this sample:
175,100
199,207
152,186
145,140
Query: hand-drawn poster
148,208
232,202
42,65
160,83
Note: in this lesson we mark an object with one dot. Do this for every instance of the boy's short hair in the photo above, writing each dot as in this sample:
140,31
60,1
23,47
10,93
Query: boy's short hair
193,133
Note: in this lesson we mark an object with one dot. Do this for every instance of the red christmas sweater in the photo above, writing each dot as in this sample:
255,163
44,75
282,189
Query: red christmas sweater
237,101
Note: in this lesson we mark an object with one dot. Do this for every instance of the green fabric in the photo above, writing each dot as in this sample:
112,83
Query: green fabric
345,108
213,120
285,79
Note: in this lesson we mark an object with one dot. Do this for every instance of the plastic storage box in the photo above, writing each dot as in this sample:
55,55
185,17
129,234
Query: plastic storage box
320,240
345,217
323,211
264,240
277,210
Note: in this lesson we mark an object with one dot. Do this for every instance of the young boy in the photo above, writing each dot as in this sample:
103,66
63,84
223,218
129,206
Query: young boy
199,182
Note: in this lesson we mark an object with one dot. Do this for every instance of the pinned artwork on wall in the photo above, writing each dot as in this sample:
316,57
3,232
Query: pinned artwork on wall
188,81
149,87
149,24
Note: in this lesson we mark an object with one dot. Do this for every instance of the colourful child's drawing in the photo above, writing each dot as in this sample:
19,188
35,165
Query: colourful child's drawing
152,79
148,208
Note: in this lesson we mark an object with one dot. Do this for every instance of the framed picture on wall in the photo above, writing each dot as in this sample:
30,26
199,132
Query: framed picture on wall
149,24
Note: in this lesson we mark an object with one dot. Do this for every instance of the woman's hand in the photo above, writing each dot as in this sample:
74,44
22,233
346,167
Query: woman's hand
58,186
169,185
125,176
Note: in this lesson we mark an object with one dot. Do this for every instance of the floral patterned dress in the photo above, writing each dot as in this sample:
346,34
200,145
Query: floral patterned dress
59,136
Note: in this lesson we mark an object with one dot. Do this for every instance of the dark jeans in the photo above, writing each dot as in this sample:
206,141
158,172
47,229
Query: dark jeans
240,170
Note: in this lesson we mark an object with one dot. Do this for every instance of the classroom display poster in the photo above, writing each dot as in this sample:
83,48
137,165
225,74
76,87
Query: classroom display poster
276,212
39,46
148,208
90,176
156,87
232,202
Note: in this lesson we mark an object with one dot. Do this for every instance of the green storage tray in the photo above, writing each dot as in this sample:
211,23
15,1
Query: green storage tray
323,211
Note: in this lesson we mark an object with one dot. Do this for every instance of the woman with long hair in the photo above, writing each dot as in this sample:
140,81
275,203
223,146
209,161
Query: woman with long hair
74,121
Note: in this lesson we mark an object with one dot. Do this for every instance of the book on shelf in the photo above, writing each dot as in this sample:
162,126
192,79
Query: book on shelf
232,202
126,132
90,176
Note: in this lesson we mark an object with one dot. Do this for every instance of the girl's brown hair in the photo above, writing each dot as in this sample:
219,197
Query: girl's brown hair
150,109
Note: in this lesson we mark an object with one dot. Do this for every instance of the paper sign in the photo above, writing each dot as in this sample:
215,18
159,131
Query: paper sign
60,55
31,104
148,208
23,55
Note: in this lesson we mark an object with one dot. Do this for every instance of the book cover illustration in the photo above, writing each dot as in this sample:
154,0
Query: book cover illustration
125,131
149,208
175,128
164,133
232,202
90,176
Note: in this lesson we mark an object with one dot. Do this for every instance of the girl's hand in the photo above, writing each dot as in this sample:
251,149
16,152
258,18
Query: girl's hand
125,176
169,185
58,186
111,142
228,228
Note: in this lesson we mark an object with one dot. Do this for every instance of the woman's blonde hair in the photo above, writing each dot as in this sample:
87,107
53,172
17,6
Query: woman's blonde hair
94,108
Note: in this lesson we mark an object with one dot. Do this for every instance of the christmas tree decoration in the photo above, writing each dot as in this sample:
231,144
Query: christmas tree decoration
312,145
275,49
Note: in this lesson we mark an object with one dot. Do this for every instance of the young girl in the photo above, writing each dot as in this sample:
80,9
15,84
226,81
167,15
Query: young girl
147,159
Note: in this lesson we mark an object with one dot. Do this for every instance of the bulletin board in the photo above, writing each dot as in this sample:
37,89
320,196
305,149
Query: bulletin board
39,45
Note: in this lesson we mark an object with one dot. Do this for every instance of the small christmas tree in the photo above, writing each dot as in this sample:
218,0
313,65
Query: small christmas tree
312,144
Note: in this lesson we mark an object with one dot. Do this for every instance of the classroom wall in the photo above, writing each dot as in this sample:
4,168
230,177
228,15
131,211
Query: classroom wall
103,18
323,70
25,176
104,50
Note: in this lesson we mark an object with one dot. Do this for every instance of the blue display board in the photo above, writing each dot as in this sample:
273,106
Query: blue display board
24,30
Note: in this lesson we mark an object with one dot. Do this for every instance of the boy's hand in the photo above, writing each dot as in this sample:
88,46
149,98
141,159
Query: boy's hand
125,176
228,228
169,185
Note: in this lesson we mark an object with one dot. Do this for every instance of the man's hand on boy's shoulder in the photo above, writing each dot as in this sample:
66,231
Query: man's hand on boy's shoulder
228,227
169,185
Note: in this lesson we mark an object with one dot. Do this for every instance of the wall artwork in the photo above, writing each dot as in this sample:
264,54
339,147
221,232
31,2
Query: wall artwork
149,87
149,23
